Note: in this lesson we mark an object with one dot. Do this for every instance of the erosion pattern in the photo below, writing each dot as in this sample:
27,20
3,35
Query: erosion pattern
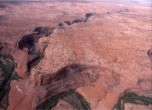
83,57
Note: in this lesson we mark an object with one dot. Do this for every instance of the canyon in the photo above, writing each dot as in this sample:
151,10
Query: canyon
76,55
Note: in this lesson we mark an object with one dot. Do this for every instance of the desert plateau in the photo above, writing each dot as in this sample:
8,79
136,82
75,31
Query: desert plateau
75,55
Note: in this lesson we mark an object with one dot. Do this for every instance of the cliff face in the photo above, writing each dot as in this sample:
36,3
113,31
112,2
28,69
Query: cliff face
101,60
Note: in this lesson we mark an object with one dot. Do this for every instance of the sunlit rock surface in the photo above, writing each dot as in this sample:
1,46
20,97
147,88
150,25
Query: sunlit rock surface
78,55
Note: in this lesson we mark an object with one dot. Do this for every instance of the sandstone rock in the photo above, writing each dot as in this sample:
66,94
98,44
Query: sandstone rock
40,87
21,58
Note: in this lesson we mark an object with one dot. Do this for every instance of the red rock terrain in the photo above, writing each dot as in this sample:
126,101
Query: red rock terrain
77,55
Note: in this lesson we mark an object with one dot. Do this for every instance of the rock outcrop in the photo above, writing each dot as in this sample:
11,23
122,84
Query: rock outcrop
41,86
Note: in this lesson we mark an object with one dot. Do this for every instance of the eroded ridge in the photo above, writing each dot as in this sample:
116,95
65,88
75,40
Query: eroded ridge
44,86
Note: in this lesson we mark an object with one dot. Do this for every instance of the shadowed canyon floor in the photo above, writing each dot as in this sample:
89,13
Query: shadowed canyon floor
76,55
